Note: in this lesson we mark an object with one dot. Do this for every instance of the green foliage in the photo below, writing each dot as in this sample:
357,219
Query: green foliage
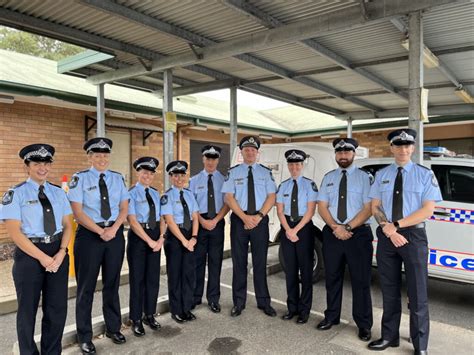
38,46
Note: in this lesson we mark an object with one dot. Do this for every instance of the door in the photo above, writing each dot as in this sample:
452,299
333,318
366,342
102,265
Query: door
120,157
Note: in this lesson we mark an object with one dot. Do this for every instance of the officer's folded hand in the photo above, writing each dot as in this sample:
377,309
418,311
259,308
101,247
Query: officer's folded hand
159,244
292,236
398,240
108,234
152,244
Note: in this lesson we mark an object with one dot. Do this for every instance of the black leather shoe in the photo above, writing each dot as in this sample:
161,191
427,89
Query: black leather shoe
87,348
151,322
236,311
302,318
288,316
364,334
421,352
215,307
189,316
326,324
383,344
137,328
269,311
178,318
117,337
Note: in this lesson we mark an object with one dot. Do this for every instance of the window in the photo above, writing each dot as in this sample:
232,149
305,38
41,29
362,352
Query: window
456,182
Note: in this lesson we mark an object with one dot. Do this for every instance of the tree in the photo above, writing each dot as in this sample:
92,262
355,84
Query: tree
38,46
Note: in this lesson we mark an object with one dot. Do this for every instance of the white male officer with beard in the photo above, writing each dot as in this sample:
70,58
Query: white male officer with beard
344,205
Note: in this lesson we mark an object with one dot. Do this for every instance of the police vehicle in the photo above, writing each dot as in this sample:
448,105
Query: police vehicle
450,229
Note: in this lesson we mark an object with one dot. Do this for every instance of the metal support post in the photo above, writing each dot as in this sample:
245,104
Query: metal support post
349,128
100,111
233,120
168,143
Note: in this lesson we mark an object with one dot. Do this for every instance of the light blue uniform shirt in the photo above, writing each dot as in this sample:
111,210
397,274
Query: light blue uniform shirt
419,185
138,204
22,203
358,187
171,204
198,185
84,188
237,182
307,192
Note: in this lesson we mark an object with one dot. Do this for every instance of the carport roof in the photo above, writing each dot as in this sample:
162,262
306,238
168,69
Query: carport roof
352,64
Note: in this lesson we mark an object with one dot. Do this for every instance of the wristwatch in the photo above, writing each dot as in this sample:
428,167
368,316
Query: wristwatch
260,214
347,227
396,224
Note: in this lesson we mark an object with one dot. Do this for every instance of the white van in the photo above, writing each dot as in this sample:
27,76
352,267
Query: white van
450,230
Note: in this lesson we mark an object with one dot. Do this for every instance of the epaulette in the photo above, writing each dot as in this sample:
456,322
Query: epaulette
266,167
151,187
330,172
423,166
285,181
54,185
366,171
17,185
82,171
185,188
116,172
168,190
232,167
130,189
304,177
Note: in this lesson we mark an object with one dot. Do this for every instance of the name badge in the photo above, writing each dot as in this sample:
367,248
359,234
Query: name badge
330,184
286,195
239,179
91,188
32,202
385,181
200,187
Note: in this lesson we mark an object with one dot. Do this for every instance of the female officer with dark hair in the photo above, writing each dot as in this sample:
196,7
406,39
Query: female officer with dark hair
296,203
37,217
144,246
181,213
99,200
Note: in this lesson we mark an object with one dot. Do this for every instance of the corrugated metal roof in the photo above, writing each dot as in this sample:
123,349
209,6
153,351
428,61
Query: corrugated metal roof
447,26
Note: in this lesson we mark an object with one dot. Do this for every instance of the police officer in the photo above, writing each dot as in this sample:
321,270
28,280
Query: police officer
296,203
206,187
403,197
181,212
99,200
250,193
344,205
144,246
37,216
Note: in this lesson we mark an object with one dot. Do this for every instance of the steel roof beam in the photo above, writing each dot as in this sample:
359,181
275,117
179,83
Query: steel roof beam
198,40
272,22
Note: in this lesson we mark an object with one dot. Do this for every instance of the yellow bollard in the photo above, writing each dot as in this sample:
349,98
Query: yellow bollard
70,247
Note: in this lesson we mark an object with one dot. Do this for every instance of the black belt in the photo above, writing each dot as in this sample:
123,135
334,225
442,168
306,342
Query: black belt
251,214
147,226
416,226
47,239
204,215
105,224
291,219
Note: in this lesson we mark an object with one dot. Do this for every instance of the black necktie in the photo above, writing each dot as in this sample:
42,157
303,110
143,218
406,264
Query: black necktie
341,204
294,201
187,218
48,214
211,202
397,202
104,199
251,205
152,214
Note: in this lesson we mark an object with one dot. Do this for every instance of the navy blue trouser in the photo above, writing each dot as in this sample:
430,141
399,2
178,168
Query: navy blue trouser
356,253
258,238
32,281
210,249
414,257
91,254
144,274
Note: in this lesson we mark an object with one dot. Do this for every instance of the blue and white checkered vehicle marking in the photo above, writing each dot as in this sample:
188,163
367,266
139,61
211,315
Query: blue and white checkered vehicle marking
457,216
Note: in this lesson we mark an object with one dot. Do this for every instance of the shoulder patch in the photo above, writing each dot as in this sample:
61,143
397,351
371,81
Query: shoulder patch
74,181
130,189
164,200
8,197
423,166
434,180
313,185
371,177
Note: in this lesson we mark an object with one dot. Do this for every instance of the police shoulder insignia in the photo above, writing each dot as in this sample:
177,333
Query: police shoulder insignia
371,177
8,197
74,181
164,200
434,180
313,185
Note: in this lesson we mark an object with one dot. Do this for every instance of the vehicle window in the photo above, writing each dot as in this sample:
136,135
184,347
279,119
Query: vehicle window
456,182
374,168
